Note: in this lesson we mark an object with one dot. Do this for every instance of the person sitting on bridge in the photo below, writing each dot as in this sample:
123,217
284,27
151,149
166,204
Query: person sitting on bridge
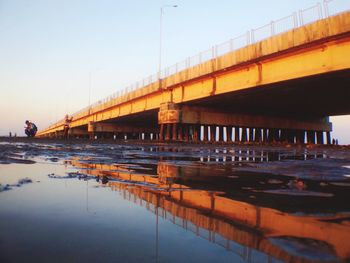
31,129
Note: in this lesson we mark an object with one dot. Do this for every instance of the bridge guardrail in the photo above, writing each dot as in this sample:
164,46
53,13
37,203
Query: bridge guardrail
297,19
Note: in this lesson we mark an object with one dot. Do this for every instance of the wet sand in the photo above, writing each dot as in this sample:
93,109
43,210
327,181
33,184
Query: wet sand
187,202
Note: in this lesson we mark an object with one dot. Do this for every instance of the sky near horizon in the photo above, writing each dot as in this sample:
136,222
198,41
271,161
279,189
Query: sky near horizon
50,48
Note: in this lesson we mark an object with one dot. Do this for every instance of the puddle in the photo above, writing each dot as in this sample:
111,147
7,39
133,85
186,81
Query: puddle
156,203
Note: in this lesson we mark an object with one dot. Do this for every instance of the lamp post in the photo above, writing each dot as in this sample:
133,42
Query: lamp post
160,37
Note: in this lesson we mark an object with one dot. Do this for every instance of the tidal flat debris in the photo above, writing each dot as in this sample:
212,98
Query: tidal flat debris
71,175
53,159
25,180
5,187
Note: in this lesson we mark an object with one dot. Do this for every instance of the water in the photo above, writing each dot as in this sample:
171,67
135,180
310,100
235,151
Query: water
157,203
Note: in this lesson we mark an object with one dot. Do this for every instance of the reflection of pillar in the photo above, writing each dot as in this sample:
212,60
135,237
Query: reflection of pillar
328,137
205,133
251,134
320,137
244,134
174,131
161,132
237,134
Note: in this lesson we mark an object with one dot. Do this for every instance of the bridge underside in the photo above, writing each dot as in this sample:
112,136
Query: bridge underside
316,96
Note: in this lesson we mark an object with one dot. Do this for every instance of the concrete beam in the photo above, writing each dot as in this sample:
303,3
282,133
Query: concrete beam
77,132
112,127
205,116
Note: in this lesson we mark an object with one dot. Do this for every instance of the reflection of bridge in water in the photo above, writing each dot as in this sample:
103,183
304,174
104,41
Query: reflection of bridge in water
248,230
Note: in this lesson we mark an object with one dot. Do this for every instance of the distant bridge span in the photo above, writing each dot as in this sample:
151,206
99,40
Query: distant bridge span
279,89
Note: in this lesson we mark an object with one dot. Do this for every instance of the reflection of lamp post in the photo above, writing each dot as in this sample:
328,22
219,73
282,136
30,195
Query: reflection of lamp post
160,37
157,228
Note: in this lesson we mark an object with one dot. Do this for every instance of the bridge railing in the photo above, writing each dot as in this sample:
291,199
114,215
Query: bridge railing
297,19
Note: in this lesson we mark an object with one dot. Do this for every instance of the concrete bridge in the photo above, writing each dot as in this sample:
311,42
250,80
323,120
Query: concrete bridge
280,89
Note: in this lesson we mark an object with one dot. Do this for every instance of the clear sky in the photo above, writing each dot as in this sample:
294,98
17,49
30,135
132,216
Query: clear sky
48,48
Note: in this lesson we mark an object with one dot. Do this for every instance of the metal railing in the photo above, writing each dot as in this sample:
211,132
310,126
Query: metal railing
297,19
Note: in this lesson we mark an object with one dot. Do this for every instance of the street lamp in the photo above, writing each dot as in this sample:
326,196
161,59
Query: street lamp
160,36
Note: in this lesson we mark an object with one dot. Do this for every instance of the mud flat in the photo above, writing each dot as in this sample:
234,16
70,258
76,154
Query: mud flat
114,201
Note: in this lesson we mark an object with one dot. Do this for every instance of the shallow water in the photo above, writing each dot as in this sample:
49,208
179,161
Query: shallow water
158,203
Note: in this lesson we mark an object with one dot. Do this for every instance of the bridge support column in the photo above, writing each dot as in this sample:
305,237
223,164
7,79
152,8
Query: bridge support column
205,133
212,133
258,135
244,134
284,136
300,137
147,136
311,137
168,131
195,129
220,134
161,132
251,134
174,132
229,133
328,138
180,135
320,137
277,137
290,136
266,136
237,137
270,136
186,133
91,130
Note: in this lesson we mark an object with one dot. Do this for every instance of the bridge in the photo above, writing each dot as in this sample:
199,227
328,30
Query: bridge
278,89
